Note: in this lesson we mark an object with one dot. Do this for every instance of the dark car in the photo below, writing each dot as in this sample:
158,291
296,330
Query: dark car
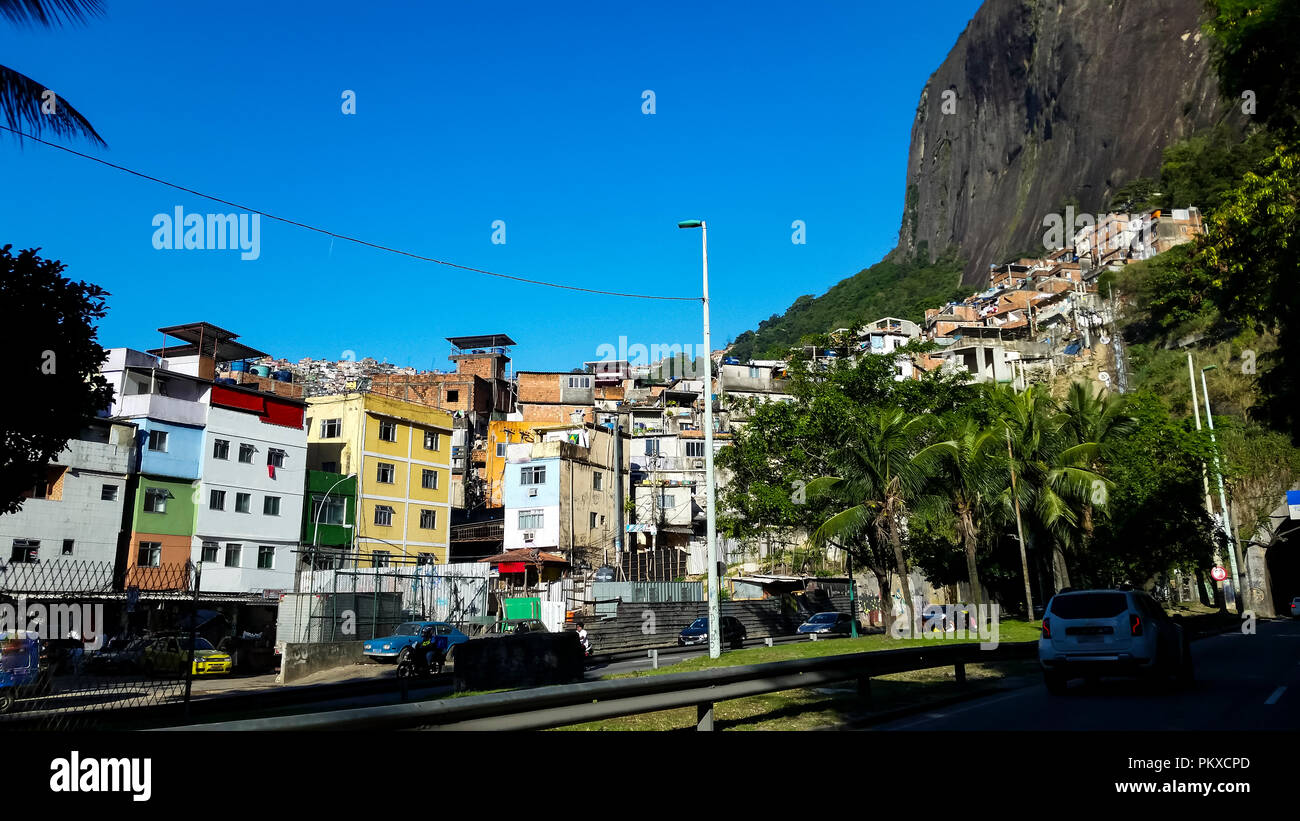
514,627
118,656
733,632
830,622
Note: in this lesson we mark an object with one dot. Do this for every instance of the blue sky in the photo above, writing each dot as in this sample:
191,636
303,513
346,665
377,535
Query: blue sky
469,113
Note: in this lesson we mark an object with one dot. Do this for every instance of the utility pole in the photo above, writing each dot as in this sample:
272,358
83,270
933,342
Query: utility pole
618,491
1230,588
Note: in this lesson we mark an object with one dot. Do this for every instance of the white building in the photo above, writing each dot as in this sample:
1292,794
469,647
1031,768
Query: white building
71,522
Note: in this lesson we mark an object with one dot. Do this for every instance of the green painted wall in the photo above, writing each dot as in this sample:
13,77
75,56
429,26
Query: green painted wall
319,483
178,520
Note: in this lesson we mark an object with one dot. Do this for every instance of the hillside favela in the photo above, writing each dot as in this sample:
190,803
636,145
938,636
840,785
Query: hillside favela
574,414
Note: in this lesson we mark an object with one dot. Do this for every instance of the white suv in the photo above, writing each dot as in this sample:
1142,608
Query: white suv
1095,633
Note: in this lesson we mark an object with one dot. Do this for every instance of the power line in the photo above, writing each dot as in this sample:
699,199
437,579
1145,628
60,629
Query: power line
345,237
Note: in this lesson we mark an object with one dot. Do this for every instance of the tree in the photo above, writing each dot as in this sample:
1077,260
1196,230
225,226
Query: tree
28,105
966,470
54,385
1098,418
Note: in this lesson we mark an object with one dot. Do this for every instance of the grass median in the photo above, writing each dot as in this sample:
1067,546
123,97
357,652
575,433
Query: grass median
828,707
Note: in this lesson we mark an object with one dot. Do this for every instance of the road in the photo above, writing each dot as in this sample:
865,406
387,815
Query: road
1244,682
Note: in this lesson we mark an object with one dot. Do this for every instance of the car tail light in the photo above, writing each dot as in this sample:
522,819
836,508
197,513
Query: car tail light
1135,624
1047,629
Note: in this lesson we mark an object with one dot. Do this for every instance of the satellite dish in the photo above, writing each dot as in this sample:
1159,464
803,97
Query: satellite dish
1105,340
1104,377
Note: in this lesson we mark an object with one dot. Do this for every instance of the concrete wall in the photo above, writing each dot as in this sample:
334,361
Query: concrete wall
297,661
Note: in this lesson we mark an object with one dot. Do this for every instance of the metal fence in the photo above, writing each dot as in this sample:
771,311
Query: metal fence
608,594
83,641
367,602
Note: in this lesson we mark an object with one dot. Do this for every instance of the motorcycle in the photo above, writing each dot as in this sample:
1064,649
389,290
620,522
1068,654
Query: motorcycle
408,666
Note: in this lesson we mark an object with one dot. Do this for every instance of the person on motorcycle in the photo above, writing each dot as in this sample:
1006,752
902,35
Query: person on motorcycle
425,648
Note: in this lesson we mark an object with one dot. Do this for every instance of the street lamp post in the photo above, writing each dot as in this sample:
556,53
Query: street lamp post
710,514
1233,590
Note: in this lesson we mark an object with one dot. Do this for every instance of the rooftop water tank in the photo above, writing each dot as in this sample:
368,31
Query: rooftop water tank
262,370
239,365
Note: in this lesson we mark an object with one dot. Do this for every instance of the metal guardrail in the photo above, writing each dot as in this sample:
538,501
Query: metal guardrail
561,705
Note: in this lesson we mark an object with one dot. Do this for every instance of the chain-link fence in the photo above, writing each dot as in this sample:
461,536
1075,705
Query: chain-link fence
81,642
355,603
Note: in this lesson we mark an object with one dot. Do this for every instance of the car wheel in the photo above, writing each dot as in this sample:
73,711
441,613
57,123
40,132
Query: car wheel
1056,682
404,655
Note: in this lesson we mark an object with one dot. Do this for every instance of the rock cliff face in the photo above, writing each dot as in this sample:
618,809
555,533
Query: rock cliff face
1044,103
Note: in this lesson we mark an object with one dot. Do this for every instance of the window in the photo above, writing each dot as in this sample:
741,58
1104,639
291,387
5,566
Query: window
597,481
421,559
432,440
532,475
379,558
388,431
155,500
667,500
429,479
530,519
270,505
233,552
332,512
331,428
275,456
501,450
384,473
220,448
217,499
25,551
67,547
266,558
579,381
158,440
593,521
150,554
209,552
695,449
652,447
754,373
453,396
243,502
108,493
383,515
330,467
246,453
428,519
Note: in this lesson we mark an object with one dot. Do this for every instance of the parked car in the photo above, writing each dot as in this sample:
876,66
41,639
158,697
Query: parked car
24,668
1295,607
170,655
733,632
515,627
829,622
118,656
390,648
1094,633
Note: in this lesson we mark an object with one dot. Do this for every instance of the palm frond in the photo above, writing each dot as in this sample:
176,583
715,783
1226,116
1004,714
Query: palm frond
23,101
844,525
49,13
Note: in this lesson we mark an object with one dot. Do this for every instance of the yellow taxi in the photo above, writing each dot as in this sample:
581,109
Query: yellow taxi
168,655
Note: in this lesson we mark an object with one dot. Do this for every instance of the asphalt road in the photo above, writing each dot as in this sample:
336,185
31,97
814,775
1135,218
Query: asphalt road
1243,682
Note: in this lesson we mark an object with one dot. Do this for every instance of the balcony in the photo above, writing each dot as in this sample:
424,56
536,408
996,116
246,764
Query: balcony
164,408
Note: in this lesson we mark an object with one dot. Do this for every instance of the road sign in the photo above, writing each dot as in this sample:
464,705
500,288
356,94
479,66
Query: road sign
1293,503
1218,574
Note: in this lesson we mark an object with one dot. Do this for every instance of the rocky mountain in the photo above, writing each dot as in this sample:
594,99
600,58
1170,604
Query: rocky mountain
1044,103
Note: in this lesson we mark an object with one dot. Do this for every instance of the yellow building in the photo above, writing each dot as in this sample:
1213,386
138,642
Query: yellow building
500,434
401,454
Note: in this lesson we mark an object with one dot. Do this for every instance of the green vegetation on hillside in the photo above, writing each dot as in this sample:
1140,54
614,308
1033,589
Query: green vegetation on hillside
889,288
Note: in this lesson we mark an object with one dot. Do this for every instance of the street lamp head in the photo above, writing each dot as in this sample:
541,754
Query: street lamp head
690,223
1208,368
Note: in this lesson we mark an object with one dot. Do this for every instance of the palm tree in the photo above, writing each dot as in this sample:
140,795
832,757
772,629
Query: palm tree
29,106
967,469
879,477
1099,418
1053,473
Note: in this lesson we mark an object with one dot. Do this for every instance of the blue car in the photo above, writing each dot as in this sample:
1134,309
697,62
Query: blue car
23,670
390,648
